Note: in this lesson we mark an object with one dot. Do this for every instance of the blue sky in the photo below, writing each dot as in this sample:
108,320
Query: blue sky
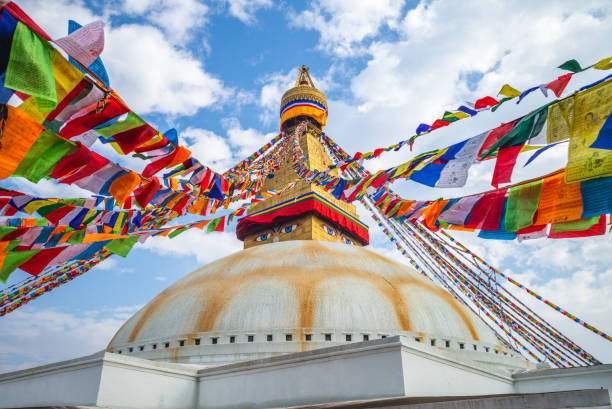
216,70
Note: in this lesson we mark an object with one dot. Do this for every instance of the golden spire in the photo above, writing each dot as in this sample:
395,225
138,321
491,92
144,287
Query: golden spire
303,78
304,99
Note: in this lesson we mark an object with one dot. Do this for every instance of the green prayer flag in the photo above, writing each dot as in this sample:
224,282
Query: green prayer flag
29,68
575,225
213,225
4,230
44,141
177,232
499,103
13,260
121,247
571,65
526,128
45,210
130,122
45,163
77,237
522,204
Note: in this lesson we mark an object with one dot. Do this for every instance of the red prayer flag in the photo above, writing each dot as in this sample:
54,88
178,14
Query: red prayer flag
506,159
72,162
486,213
55,216
132,138
77,126
596,230
154,167
438,123
495,135
93,164
558,85
485,102
221,225
37,263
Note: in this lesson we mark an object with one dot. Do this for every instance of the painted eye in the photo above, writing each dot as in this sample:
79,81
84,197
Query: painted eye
263,237
329,230
347,240
289,229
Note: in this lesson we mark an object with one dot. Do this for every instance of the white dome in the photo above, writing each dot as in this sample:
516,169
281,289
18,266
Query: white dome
291,289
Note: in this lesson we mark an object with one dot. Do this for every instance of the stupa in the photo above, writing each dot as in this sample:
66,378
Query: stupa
305,314
303,281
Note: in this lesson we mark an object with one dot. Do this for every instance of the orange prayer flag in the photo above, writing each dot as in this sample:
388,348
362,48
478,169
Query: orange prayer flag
124,185
460,228
404,208
202,224
20,133
181,156
432,212
94,237
166,232
559,201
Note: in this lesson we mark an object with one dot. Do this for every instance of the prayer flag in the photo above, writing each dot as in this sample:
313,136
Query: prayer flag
591,110
596,196
558,85
604,137
506,159
29,68
565,230
559,201
486,213
501,233
521,205
20,133
84,44
571,65
508,91
485,102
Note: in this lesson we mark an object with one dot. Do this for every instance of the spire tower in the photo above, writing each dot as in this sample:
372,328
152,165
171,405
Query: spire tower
305,212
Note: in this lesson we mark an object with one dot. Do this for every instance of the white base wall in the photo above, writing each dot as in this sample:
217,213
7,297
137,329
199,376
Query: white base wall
368,370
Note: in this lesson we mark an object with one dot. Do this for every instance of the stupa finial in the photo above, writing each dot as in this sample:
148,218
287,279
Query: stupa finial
303,78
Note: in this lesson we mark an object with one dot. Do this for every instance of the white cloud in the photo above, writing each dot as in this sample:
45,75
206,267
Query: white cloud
244,141
32,336
154,76
177,18
160,278
208,147
206,247
108,264
344,24
244,10
144,64
47,188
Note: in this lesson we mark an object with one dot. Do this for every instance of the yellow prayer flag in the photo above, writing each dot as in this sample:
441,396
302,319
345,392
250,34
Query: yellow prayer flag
591,109
560,120
509,91
604,64
34,205
401,169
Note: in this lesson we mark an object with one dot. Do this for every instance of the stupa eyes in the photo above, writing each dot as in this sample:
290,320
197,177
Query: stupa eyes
263,237
289,229
346,240
329,230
